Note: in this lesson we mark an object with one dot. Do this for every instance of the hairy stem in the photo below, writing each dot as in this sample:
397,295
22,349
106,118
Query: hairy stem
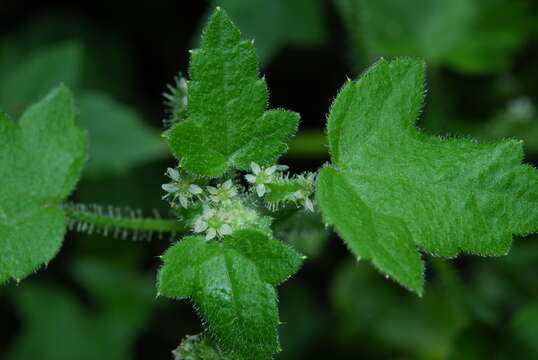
118,221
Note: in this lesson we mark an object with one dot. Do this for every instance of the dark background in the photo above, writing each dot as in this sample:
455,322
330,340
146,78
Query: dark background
472,301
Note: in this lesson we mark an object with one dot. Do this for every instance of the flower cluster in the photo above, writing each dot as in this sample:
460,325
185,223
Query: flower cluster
217,210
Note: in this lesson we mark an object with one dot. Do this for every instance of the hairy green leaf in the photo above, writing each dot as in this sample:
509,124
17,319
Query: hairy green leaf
232,284
41,158
392,188
227,123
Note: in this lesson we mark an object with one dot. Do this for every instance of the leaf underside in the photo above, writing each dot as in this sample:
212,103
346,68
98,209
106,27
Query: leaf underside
232,284
392,188
41,158
227,123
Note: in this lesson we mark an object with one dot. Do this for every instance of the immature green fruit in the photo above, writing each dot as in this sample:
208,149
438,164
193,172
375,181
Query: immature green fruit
41,158
227,123
392,188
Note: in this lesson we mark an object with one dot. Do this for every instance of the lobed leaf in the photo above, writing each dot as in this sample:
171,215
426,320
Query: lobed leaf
232,285
227,123
41,158
392,188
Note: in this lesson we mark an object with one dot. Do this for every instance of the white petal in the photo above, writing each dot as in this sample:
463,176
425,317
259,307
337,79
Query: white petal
256,169
297,195
183,200
270,170
225,229
199,226
211,233
227,184
173,174
309,205
260,189
182,84
169,187
212,190
208,212
250,178
195,189
232,192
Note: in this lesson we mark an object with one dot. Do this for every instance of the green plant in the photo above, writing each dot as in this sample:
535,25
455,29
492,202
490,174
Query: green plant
389,191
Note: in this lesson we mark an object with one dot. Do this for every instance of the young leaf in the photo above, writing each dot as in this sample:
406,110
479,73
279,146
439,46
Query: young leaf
232,285
392,188
228,124
41,158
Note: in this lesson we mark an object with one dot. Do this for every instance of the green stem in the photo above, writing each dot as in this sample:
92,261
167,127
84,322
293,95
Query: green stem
88,217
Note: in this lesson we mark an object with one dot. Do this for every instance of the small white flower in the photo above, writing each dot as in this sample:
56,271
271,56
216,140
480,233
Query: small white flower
223,193
180,189
213,223
261,177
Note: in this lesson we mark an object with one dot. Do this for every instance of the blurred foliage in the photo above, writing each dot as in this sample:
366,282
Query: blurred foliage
303,230
471,36
276,23
387,320
58,325
105,118
304,320
457,318
27,79
29,69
